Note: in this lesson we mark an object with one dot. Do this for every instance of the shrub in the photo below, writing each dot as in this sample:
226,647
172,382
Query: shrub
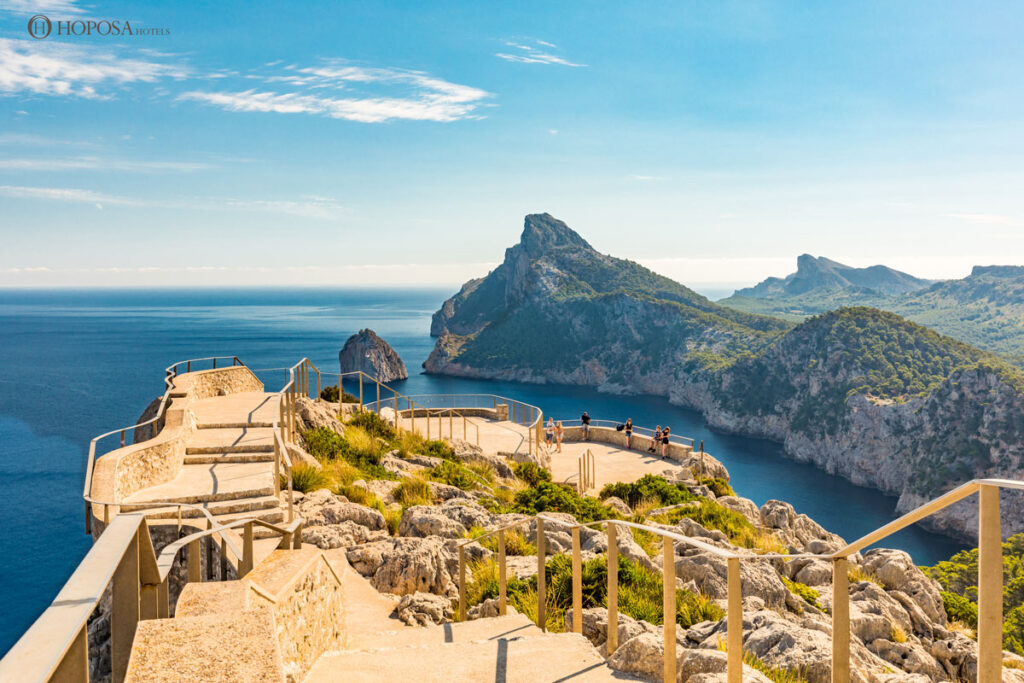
374,425
711,515
357,447
439,449
804,591
453,474
897,634
719,487
550,497
531,473
413,491
648,487
330,394
307,478
959,608
324,444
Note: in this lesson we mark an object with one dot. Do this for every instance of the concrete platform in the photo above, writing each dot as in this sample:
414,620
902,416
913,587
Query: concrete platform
612,463
212,482
231,440
248,408
495,435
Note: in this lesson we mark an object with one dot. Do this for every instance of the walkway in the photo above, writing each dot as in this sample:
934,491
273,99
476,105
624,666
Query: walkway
495,436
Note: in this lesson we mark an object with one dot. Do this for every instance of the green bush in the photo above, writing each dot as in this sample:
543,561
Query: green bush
439,449
550,497
648,487
804,591
374,425
324,445
711,515
330,394
531,473
719,487
307,478
959,608
454,474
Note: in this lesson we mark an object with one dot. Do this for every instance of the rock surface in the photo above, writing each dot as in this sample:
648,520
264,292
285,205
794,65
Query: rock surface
366,352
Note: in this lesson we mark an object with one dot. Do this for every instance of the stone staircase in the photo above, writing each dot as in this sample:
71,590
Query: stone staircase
228,465
305,615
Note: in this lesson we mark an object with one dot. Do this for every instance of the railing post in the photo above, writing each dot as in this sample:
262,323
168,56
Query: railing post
195,561
451,423
541,581
840,621
209,542
341,394
577,582
613,591
502,597
286,541
88,517
277,467
360,389
579,480
124,613
245,566
75,664
318,384
462,583
223,559
734,638
149,601
378,398
215,362
990,586
668,580
163,599
297,537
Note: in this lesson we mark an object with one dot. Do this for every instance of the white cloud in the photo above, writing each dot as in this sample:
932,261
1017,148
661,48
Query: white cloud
51,68
528,54
319,208
57,7
95,163
377,95
984,219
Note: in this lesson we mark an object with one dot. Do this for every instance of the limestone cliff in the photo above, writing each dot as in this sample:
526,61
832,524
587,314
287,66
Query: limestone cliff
861,393
369,353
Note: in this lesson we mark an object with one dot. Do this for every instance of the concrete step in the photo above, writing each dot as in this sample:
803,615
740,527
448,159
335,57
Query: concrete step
233,425
547,657
238,646
211,482
254,456
241,408
509,626
231,440
219,508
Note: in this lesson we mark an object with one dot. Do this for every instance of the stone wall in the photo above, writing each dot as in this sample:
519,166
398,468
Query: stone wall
220,382
155,461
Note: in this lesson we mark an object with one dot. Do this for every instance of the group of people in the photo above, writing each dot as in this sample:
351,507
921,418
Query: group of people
659,442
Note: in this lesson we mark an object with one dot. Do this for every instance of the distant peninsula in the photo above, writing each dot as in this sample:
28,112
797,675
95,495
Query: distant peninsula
860,392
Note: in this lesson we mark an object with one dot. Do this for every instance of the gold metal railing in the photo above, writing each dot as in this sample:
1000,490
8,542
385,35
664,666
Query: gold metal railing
586,478
56,646
990,580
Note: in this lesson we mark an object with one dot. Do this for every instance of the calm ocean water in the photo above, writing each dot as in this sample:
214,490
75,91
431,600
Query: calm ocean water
78,363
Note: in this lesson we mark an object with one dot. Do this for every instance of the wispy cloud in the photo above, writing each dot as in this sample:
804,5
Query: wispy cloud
531,54
646,177
985,219
96,163
377,95
319,208
50,68
40,6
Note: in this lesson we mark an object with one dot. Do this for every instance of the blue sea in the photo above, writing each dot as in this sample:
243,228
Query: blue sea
78,363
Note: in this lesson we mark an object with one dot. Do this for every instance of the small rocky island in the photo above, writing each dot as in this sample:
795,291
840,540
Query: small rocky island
369,353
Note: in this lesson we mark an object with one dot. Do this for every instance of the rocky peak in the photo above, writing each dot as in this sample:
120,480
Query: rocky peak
543,232
998,271
369,353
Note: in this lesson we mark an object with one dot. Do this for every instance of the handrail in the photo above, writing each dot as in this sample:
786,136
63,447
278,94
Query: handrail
990,579
642,431
56,646
587,477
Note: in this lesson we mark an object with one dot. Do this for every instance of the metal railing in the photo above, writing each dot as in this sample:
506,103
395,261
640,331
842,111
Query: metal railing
56,646
519,412
645,432
586,464
990,580
155,422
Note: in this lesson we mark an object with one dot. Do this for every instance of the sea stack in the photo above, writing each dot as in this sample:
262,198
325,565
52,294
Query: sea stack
367,352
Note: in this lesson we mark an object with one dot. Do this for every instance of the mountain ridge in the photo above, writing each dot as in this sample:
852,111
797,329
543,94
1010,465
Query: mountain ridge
857,391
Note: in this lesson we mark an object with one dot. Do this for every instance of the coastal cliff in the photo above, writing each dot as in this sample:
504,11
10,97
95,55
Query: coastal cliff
367,352
861,393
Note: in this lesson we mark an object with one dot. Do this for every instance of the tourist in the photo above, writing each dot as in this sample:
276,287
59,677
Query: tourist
655,440
549,432
664,442
558,436
629,433
585,421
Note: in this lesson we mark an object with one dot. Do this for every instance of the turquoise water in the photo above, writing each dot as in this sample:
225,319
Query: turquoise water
78,363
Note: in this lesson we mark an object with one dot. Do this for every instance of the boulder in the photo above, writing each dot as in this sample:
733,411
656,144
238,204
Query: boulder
449,520
706,665
316,413
710,574
366,352
642,654
797,530
322,508
405,565
345,534
470,454
424,609
744,506
910,656
619,505
897,571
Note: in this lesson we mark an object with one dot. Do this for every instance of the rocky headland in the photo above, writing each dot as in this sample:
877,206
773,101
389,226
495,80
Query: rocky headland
861,393
367,352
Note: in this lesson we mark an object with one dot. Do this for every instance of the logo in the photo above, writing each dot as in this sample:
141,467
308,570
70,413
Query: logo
39,26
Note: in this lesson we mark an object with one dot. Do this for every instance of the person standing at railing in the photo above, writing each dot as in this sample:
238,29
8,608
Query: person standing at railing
629,433
655,440
585,422
558,437
549,432
665,433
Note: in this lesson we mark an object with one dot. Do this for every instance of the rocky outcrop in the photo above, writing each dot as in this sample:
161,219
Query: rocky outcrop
332,521
424,609
366,352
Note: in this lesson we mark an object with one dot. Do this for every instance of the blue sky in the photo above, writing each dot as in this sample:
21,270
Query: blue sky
398,143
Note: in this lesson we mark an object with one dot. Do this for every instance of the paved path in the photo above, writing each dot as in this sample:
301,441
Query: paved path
612,463
494,435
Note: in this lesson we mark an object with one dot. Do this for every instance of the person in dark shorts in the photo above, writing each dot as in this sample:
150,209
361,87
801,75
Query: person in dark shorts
629,433
549,433
655,440
585,422
664,442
